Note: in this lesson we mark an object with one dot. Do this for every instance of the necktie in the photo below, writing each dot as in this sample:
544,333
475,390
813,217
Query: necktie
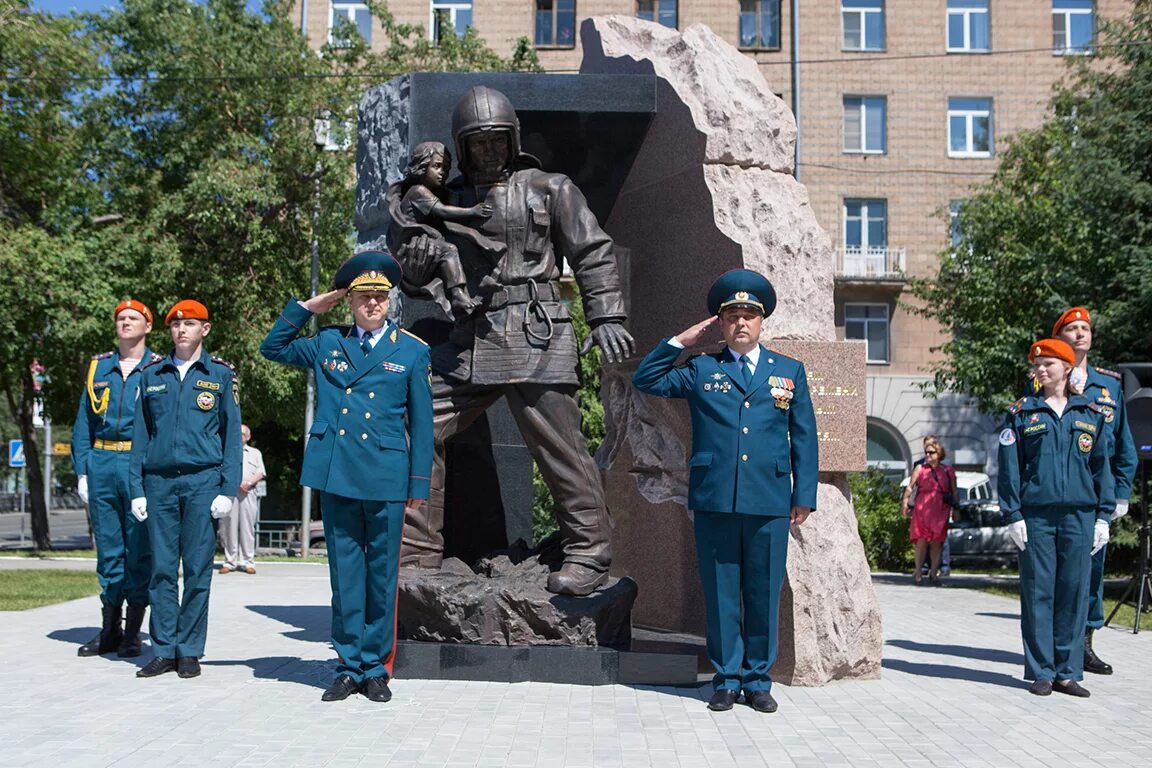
366,344
746,370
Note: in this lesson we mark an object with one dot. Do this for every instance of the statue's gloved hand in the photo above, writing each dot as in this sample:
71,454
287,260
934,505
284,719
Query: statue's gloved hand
221,506
1099,536
616,343
419,258
82,488
140,508
1018,532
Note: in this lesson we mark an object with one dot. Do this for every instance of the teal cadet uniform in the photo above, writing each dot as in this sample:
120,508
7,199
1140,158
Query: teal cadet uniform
101,445
1103,389
1054,476
365,467
754,457
186,451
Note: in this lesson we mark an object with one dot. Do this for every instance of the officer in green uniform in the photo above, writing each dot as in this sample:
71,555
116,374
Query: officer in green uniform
187,458
753,470
369,453
101,441
1057,493
1101,387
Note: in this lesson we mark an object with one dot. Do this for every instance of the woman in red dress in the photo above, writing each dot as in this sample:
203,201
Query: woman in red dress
931,481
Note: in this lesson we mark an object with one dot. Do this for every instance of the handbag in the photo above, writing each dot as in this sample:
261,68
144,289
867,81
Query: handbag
949,497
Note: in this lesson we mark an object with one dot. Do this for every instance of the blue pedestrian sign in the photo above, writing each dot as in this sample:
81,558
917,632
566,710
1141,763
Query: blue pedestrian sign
16,454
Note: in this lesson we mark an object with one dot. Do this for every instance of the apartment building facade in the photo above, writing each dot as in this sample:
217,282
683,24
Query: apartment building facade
903,105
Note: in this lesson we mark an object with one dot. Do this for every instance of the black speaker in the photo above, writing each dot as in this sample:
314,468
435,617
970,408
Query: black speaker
1137,383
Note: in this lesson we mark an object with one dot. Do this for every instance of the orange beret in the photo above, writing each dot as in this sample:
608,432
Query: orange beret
1071,316
132,304
1052,348
188,309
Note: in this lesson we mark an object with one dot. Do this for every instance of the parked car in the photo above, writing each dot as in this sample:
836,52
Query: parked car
978,530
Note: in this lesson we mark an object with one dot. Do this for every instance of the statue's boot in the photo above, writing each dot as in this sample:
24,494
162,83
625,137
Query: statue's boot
576,579
110,634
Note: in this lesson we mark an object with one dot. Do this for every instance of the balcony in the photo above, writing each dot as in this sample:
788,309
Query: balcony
874,264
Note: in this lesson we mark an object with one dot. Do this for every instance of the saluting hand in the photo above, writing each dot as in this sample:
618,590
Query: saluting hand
323,302
692,336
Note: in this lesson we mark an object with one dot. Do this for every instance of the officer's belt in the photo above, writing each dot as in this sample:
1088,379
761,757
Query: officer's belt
522,294
112,445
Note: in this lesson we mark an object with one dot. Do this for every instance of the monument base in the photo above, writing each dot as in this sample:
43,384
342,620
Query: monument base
656,659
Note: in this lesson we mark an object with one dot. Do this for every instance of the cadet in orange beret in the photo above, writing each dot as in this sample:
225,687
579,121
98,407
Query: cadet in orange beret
101,441
1101,387
1056,491
187,458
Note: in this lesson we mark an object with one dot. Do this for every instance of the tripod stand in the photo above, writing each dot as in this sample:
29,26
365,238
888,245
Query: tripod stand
1141,582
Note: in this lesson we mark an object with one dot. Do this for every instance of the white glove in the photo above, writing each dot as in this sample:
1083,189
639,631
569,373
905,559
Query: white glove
221,506
1099,536
1018,532
82,490
1121,509
140,509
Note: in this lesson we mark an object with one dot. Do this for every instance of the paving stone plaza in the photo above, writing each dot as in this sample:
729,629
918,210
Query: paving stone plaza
950,695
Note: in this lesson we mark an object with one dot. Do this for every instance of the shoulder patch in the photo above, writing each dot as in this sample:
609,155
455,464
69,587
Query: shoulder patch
223,362
155,359
414,336
1107,372
1016,406
1096,408
103,356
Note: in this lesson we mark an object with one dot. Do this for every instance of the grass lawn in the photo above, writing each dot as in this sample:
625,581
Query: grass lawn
21,590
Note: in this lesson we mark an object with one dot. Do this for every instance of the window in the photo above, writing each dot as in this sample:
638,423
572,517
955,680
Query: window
451,15
863,22
660,11
1073,26
759,23
864,124
556,22
345,17
868,322
865,224
954,235
969,127
968,27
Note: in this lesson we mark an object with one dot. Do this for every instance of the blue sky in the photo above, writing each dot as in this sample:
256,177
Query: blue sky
66,6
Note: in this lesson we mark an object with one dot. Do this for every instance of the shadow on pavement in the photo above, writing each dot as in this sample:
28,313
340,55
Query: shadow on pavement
313,622
1013,616
286,669
77,636
964,651
951,673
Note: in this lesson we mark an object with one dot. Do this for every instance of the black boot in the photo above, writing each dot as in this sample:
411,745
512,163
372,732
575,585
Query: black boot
110,634
130,645
1092,662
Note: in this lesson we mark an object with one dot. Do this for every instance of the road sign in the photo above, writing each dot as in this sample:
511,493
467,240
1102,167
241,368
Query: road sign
16,454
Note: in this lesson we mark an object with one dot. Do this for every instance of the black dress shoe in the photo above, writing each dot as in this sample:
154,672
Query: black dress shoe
157,666
342,687
376,689
761,701
1092,662
1041,688
1072,688
188,666
723,700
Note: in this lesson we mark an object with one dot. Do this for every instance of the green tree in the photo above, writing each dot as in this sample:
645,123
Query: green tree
883,529
1065,221
165,150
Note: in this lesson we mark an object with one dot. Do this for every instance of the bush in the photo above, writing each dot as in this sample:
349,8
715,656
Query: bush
883,529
